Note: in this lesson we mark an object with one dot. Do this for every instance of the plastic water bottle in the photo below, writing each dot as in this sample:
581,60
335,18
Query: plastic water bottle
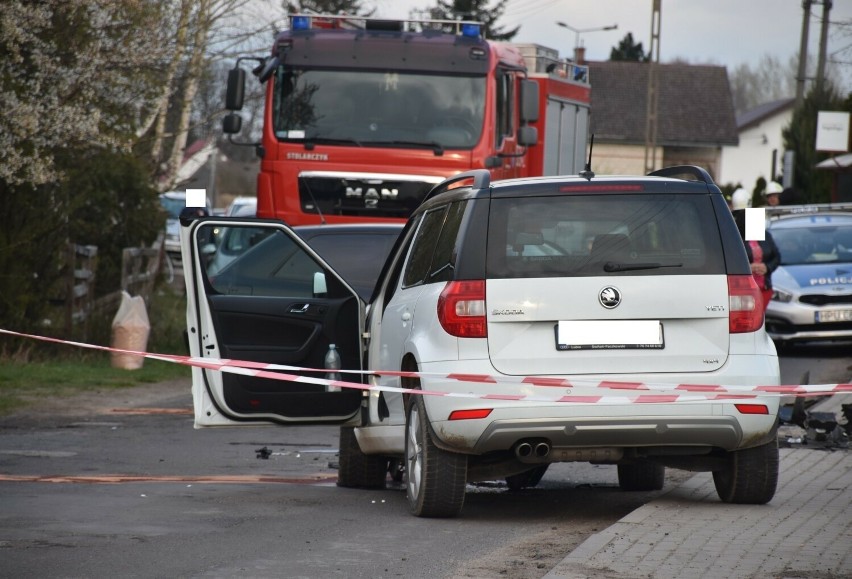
332,362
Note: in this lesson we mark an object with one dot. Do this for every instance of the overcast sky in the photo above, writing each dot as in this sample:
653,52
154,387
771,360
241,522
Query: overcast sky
724,32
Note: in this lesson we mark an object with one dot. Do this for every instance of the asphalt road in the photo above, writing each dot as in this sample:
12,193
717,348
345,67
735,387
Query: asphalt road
126,487
122,485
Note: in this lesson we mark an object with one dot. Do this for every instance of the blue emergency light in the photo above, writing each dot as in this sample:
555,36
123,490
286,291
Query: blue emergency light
470,30
301,23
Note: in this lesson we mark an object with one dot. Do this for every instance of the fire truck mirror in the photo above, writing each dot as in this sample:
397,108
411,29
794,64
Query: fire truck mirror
232,123
236,89
527,136
529,101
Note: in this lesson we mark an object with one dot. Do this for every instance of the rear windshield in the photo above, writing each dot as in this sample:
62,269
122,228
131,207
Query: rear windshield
595,235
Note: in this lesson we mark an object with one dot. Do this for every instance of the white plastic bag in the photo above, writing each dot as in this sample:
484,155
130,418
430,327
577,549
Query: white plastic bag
130,329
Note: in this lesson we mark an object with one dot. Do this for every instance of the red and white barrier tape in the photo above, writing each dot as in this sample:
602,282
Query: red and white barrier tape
627,392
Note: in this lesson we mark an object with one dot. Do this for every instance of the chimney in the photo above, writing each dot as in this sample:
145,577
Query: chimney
580,55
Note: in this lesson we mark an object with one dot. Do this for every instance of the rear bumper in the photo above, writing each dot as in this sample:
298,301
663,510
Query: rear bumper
612,418
567,435
706,425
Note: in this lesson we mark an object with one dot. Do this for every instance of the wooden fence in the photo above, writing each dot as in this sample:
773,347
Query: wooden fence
82,266
140,267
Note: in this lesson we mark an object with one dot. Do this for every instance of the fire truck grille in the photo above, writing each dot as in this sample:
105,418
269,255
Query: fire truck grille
331,195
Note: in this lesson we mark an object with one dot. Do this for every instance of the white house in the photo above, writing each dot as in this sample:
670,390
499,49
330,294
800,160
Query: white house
760,143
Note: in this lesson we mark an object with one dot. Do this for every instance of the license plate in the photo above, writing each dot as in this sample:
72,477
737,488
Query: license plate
828,316
609,335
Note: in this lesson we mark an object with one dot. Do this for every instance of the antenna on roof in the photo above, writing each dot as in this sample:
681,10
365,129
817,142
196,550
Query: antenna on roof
587,173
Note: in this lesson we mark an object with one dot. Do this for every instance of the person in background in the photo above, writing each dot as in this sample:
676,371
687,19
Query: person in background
740,199
763,256
772,194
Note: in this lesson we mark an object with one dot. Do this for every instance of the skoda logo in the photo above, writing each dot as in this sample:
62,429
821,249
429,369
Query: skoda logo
609,297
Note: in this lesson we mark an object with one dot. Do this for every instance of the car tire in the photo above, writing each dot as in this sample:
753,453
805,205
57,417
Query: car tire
641,476
750,476
356,469
527,479
434,478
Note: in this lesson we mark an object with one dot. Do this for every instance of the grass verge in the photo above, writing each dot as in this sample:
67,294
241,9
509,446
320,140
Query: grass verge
23,384
51,371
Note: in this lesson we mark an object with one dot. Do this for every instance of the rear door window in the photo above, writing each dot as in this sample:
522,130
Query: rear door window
433,255
423,247
596,235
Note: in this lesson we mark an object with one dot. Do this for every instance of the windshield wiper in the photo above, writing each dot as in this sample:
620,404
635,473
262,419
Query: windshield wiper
610,266
435,146
309,143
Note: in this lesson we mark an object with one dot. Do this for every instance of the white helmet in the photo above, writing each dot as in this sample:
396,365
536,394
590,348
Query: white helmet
741,199
773,188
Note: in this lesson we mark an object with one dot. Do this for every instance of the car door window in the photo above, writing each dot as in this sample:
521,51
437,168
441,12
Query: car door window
423,248
444,259
274,266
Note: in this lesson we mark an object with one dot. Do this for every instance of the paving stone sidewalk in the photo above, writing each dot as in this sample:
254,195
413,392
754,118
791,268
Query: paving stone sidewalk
805,531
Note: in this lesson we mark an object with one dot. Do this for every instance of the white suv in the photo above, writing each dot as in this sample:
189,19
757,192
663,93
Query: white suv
515,307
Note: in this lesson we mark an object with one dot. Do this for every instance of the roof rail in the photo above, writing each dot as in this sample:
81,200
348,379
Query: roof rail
697,173
481,180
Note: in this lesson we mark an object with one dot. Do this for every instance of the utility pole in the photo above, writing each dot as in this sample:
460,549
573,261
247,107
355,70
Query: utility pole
803,48
803,53
653,89
823,45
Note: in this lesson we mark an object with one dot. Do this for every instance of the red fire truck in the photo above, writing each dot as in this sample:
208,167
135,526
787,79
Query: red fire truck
363,116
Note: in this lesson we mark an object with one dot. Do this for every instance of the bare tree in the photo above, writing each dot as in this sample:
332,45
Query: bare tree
767,81
167,89
206,32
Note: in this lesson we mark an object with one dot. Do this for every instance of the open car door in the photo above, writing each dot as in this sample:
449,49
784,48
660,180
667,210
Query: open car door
266,297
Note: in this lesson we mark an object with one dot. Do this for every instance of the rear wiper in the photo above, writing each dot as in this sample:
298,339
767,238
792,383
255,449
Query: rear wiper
610,267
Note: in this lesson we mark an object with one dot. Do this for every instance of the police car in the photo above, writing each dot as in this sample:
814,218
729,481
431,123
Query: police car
812,289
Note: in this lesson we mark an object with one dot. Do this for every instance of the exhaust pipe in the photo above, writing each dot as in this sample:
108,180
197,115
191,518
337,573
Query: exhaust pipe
523,450
542,449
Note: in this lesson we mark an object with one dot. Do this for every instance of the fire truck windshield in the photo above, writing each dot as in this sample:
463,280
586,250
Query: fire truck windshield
368,108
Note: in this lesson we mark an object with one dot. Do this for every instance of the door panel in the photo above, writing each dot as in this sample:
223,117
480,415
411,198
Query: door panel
277,302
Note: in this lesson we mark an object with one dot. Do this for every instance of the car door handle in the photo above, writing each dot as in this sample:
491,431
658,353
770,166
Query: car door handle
299,308
406,316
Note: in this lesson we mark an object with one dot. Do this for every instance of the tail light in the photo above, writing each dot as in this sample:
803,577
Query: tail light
745,304
461,309
475,414
752,408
